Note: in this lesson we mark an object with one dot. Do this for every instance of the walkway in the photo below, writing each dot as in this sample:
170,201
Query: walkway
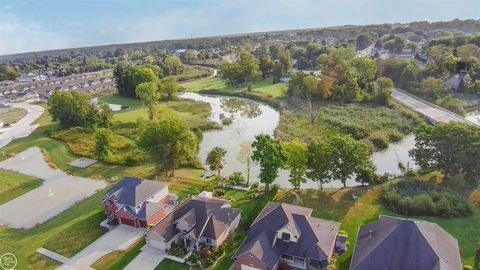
23,127
52,255
432,112
148,259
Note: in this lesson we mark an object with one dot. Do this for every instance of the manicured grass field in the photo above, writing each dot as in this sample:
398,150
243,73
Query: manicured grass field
77,236
168,264
194,113
338,205
264,87
13,115
14,184
118,260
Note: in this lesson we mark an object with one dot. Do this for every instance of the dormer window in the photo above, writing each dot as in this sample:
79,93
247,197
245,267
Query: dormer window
285,236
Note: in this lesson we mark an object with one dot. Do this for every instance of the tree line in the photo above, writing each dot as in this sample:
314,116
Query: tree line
337,157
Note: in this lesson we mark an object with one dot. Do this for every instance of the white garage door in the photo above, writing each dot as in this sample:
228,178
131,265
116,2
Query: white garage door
246,267
161,245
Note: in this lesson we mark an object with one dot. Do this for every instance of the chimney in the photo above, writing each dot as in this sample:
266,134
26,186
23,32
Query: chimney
370,234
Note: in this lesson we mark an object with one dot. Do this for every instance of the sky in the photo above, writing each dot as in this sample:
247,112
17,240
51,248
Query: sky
34,25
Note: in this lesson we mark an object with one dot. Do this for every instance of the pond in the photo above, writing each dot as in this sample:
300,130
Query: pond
250,118
113,107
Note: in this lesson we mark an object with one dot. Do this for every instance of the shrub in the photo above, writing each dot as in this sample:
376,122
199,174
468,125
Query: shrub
475,197
236,178
218,193
135,157
193,259
410,197
379,139
205,253
227,121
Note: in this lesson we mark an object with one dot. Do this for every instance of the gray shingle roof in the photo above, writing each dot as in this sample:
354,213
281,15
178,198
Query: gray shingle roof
133,191
395,244
211,218
316,237
260,247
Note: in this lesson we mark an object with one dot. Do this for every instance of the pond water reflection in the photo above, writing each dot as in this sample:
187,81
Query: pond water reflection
251,118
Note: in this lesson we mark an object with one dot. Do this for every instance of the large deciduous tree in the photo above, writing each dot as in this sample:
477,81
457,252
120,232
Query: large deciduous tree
244,71
149,94
171,140
269,154
169,87
103,143
319,162
71,109
451,148
348,157
216,159
296,162
245,157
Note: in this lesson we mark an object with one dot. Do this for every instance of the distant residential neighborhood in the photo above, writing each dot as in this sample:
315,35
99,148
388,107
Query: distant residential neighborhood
354,147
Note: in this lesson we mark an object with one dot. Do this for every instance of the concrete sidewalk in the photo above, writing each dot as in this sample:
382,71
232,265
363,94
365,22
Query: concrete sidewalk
57,257
148,259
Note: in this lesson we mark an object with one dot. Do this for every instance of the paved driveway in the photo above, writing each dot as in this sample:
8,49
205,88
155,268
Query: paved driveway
23,127
148,259
120,238
58,192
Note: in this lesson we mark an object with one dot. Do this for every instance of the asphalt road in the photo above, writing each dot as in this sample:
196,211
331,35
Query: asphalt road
23,127
433,112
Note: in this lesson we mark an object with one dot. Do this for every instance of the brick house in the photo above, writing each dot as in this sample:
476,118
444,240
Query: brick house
138,203
200,221
287,234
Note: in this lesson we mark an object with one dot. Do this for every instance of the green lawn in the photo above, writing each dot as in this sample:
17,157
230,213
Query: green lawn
118,260
25,243
14,184
264,88
168,264
195,113
77,236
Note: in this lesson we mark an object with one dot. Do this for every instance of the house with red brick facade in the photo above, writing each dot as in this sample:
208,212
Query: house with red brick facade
138,203
285,234
200,221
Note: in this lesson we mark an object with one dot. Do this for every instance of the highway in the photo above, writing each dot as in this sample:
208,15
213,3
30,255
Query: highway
430,111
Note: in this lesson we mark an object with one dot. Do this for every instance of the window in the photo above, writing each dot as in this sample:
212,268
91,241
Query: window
208,240
285,236
287,257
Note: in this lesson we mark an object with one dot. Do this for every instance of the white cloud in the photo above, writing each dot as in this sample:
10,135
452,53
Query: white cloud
115,23
23,36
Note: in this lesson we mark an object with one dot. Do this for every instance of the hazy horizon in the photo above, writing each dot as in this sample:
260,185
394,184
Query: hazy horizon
27,26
